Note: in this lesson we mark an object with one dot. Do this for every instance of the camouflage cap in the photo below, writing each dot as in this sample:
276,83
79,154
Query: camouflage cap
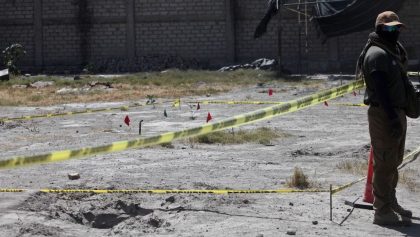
388,18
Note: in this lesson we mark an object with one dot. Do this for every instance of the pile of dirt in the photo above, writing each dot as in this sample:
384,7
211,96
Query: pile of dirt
359,153
36,229
118,213
310,152
10,125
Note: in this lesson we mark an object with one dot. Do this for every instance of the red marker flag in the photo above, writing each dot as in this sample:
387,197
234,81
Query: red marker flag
209,117
127,120
198,106
326,103
270,92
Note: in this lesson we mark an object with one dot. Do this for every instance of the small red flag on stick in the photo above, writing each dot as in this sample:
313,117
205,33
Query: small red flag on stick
270,92
209,117
127,120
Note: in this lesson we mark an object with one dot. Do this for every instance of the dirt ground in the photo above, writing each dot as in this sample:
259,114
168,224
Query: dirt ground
320,138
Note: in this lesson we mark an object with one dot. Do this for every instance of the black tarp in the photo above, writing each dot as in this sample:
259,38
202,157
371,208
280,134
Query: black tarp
336,17
329,8
358,15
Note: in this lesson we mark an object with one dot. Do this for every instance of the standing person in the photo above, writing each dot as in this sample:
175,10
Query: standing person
383,65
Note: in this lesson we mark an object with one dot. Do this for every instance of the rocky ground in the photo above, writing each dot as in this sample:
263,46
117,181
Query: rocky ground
319,138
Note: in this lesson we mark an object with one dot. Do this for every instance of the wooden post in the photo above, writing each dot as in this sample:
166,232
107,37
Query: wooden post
131,31
38,37
331,215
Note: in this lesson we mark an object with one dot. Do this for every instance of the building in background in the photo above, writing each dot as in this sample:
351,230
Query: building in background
133,35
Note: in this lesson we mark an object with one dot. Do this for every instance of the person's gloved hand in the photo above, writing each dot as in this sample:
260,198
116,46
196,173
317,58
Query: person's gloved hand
396,128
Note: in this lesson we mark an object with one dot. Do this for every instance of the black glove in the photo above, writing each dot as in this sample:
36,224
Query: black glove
396,128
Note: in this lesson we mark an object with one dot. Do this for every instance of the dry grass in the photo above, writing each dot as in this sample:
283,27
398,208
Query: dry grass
298,180
408,178
167,145
171,84
168,84
260,135
356,167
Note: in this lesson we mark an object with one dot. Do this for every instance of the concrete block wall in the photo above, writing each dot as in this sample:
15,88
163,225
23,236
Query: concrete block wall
190,28
67,33
108,31
410,36
248,14
179,7
61,45
107,40
16,19
60,35
16,9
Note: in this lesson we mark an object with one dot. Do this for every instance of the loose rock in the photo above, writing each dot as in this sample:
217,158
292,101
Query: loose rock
41,84
170,199
74,176
291,232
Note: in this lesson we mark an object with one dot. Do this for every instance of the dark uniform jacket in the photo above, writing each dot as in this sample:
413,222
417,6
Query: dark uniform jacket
377,59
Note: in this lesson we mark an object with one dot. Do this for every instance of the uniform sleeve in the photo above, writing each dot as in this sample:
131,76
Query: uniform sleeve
377,60
384,99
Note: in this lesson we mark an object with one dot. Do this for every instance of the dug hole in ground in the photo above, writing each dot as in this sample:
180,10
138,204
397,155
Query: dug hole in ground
329,143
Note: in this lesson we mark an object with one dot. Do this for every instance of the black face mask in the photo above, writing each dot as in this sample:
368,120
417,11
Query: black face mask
391,37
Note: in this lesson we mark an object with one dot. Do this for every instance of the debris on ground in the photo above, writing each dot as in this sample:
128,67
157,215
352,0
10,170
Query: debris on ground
74,176
41,84
4,75
259,64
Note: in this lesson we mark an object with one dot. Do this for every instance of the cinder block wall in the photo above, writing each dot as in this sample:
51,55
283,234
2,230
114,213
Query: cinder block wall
68,33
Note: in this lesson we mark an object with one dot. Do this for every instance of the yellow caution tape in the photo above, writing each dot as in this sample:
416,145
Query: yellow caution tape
87,111
52,115
205,102
176,103
157,191
184,191
8,190
235,121
341,188
348,104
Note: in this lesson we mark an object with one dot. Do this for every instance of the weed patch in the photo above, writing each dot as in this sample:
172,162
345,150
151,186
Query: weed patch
357,166
260,135
408,178
298,180
168,84
168,145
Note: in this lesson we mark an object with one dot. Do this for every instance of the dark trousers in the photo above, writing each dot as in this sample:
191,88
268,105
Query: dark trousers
388,153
